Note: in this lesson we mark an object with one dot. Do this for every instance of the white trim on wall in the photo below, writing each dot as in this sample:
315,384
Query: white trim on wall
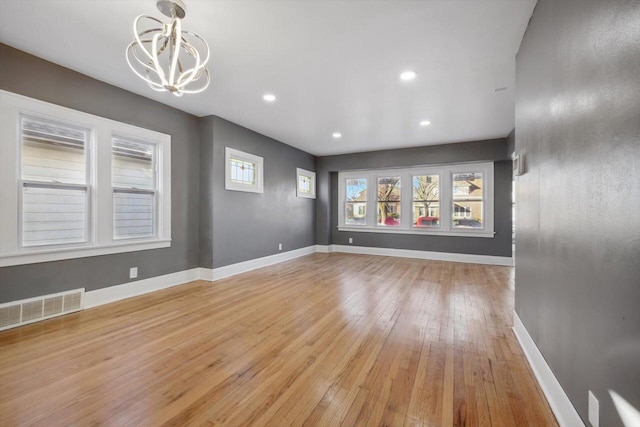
410,253
229,184
242,267
100,238
139,287
561,406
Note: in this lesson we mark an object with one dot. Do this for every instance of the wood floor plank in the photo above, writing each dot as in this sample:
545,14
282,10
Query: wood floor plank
323,340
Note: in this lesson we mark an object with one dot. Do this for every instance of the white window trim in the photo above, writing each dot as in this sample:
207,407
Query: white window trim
312,175
258,187
100,239
446,200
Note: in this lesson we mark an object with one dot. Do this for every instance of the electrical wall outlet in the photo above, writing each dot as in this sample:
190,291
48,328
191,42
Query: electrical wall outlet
350,240
133,272
594,410
279,246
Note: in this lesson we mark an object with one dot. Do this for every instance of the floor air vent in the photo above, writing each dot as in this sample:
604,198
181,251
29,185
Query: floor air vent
31,310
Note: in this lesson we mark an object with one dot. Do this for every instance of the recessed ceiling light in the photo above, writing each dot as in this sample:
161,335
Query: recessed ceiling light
425,123
336,135
408,75
269,97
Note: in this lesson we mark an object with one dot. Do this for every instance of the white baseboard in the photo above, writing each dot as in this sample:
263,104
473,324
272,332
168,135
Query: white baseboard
561,406
139,287
242,267
409,253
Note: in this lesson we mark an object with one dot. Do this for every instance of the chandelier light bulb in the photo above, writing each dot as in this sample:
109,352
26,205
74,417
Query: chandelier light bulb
166,56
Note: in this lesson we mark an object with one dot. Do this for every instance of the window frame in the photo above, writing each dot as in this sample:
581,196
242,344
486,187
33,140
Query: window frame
133,190
100,239
229,184
24,183
445,173
309,174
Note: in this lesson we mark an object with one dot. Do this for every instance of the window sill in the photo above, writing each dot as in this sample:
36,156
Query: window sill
389,230
58,254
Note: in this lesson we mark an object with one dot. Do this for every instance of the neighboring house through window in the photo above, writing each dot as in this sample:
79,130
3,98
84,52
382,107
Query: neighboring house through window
75,185
446,200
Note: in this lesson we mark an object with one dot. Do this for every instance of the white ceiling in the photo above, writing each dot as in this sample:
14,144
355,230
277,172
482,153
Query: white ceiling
332,64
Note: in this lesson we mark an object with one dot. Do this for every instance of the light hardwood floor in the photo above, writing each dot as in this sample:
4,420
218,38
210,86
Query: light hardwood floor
326,340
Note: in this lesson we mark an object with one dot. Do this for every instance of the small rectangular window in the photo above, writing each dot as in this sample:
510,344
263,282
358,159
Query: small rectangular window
134,188
243,171
426,201
306,183
55,190
389,201
468,200
356,201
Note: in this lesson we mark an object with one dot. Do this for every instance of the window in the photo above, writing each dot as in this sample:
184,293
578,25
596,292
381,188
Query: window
426,203
455,200
243,171
468,200
55,191
134,188
306,183
76,185
356,201
389,201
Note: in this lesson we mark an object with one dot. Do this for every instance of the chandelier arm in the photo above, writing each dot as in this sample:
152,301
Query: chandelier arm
156,61
206,84
206,45
151,83
147,65
176,36
132,52
188,76
138,34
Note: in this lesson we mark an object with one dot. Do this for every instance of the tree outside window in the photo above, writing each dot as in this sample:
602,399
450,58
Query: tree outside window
389,194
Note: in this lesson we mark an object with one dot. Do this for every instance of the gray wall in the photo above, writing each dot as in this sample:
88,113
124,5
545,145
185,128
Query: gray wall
238,226
578,211
30,76
490,150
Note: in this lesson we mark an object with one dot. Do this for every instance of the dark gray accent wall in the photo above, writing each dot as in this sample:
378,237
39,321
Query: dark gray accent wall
30,76
578,210
239,226
490,150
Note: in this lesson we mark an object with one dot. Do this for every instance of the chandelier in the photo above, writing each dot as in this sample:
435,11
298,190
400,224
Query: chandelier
166,56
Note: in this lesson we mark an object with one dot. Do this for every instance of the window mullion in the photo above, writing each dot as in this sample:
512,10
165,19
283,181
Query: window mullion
446,200
372,200
102,208
406,203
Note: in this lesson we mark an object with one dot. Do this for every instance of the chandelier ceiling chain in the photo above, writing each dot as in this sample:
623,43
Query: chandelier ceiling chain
154,55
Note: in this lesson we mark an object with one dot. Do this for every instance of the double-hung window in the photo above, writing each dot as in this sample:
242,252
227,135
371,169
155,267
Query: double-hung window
389,201
354,211
426,201
54,186
74,185
454,200
134,188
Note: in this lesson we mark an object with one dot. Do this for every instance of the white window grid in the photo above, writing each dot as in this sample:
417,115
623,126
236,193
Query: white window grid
99,236
445,201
